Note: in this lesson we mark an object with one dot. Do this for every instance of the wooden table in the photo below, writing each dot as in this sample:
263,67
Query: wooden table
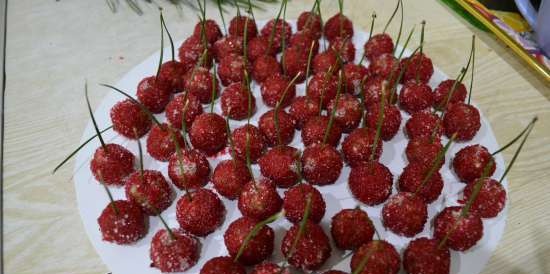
54,45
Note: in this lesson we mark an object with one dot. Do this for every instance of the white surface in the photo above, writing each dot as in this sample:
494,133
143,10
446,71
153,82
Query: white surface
135,258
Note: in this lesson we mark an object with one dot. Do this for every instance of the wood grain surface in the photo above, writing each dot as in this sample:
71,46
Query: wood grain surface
53,46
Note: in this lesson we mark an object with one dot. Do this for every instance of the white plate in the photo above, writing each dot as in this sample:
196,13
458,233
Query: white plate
135,258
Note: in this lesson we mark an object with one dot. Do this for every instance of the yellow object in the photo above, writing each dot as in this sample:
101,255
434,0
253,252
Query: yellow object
514,20
509,41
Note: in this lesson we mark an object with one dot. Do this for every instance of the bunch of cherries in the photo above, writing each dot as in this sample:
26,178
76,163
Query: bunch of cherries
361,104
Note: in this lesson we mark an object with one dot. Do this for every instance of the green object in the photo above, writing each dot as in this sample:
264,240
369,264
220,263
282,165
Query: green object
453,5
135,5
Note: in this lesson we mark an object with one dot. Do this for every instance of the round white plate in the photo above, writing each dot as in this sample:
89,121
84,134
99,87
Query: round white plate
135,258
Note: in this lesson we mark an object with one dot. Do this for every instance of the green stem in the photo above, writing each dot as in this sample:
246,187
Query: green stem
170,232
363,263
400,28
335,106
169,36
214,87
109,194
220,10
140,150
96,128
78,149
161,45
370,36
435,165
272,34
473,69
179,154
308,67
516,154
419,63
391,17
254,232
278,106
302,227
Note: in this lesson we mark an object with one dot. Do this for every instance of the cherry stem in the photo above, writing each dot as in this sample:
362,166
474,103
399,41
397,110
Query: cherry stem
420,56
170,232
370,36
220,10
283,40
230,139
325,82
78,149
365,259
161,45
140,150
183,122
400,28
302,227
135,102
96,128
340,15
514,140
272,34
245,43
169,36
457,81
254,232
473,68
379,121
335,106
238,8
362,100
179,154
313,11
402,71
308,67
214,87
250,10
109,194
278,106
516,154
248,161
435,165
391,17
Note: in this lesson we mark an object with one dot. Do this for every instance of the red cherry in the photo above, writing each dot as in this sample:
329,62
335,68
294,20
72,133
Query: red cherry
122,222
111,164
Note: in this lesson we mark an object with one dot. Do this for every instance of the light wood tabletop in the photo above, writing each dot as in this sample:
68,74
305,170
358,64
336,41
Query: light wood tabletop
54,45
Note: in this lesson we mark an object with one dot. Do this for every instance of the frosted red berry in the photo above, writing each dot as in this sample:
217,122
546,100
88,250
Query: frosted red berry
348,112
200,213
265,66
129,119
463,231
193,52
208,133
423,256
311,23
181,108
383,258
443,90
228,45
405,214
200,82
302,109
281,165
424,124
385,66
322,88
259,46
295,202
259,200
280,29
338,26
256,143
370,183
258,248
415,97
239,24
358,145
211,31
315,128
123,225
423,151
351,228
152,193
470,162
344,48
413,176
490,200
234,101
175,254
303,40
321,164
377,45
294,62
173,72
222,265
111,164
231,69
160,142
324,62
229,178
374,88
273,89
285,129
419,67
196,169
390,123
462,119
311,250
354,76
